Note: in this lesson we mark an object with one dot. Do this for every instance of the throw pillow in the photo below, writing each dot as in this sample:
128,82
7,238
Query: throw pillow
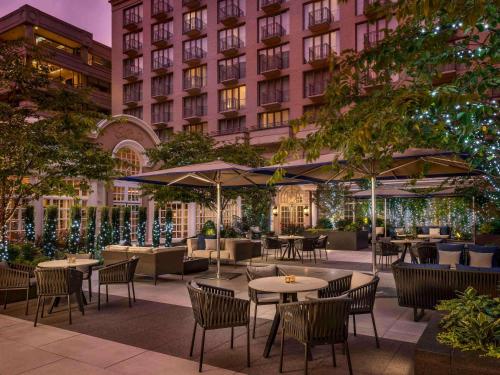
478,259
359,278
434,231
201,242
264,271
449,257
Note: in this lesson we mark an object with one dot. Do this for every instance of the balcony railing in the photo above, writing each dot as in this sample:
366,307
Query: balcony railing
372,38
270,5
230,130
230,44
194,112
132,98
193,54
132,72
132,47
271,125
160,92
193,83
161,8
131,21
162,117
191,3
319,54
161,63
369,5
162,37
229,14
272,33
230,105
270,64
271,98
193,26
320,18
230,73
316,89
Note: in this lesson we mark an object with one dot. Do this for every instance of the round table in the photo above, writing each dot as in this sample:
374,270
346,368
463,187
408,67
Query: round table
290,249
288,292
65,264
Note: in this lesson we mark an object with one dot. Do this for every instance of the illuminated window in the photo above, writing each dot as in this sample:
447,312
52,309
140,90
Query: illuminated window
128,161
204,214
179,219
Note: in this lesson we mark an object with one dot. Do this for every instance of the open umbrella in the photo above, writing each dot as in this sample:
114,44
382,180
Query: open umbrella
406,165
217,174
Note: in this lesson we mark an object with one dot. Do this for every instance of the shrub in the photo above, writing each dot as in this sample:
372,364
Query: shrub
324,223
209,229
229,232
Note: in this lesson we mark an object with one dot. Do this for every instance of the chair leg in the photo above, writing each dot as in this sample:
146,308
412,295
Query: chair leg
202,349
254,320
98,296
37,309
314,253
375,330
133,287
192,340
326,254
69,309
348,357
306,350
27,300
129,298
43,306
5,300
334,358
232,337
282,348
107,296
90,290
354,323
79,298
248,344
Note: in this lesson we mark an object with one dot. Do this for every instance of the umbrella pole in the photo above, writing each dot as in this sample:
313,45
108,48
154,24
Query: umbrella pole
374,227
218,228
385,217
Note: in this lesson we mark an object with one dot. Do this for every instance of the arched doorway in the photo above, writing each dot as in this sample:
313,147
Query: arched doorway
293,208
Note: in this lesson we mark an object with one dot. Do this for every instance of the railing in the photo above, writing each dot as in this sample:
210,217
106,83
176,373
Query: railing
320,16
270,125
229,11
372,38
193,82
194,53
271,31
230,42
132,45
195,111
227,73
131,19
162,117
267,3
132,71
161,90
161,7
193,24
270,63
276,96
161,35
132,97
231,104
162,63
319,52
231,130
316,88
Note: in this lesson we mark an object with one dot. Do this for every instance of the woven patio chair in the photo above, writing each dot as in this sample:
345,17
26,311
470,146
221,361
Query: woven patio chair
217,308
427,253
271,244
58,282
386,251
262,298
321,244
118,273
87,270
318,322
361,289
16,277
307,245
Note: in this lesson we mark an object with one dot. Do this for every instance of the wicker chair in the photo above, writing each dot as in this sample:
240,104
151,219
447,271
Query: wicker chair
307,245
216,308
321,244
427,253
87,270
387,250
58,282
271,244
362,296
318,322
262,298
118,273
16,277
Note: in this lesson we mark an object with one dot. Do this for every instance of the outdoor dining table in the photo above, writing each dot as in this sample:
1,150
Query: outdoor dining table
408,243
291,250
288,293
65,264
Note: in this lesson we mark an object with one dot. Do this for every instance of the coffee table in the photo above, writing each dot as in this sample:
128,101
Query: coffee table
291,249
194,265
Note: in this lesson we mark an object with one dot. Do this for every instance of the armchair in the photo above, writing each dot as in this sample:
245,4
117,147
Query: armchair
118,273
16,277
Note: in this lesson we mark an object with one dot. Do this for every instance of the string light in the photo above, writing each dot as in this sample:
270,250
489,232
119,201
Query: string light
156,228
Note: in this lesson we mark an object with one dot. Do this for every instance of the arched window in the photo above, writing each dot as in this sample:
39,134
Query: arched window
129,162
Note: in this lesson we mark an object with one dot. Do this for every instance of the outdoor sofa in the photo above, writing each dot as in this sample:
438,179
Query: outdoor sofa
152,261
231,249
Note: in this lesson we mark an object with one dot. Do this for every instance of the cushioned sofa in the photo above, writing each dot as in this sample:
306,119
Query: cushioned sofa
152,261
231,249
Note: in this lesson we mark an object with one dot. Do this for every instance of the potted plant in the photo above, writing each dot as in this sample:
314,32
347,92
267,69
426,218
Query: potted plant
489,233
348,236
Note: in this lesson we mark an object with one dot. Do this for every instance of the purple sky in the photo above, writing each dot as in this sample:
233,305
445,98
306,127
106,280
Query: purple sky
91,15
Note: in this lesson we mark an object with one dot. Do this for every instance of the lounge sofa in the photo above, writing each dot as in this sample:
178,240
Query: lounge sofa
231,249
152,261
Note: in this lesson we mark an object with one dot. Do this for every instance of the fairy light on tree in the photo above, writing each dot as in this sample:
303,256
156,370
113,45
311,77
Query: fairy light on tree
106,232
141,226
29,224
115,223
50,231
169,227
127,226
156,228
74,233
90,230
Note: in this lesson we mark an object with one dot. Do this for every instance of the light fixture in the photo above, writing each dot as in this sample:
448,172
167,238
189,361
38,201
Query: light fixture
275,211
306,211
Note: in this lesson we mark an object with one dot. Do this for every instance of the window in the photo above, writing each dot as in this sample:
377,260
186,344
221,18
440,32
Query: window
194,49
132,92
292,202
132,15
273,91
369,34
232,99
315,82
162,31
311,112
274,58
234,68
128,194
195,106
320,11
132,66
201,127
132,41
195,77
204,214
179,219
46,42
128,162
15,227
161,112
232,125
164,134
263,3
162,85
65,76
195,20
273,119
232,38
99,84
321,46
162,58
136,112
230,8
98,60
277,25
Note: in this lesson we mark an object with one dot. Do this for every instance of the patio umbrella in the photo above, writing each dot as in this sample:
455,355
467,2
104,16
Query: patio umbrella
216,174
413,162
385,192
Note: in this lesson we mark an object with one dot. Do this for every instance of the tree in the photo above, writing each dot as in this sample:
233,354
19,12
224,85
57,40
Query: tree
127,226
105,233
50,231
74,234
156,228
90,230
142,218
169,227
43,134
115,224
29,224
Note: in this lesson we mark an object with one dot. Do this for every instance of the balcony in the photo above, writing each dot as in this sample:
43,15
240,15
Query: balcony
320,19
372,38
161,9
230,45
193,84
161,64
191,3
370,6
162,38
229,14
230,107
132,47
272,99
229,75
193,27
319,55
132,73
270,6
316,91
131,21
272,33
270,66
193,55
161,92
194,114
132,99
160,119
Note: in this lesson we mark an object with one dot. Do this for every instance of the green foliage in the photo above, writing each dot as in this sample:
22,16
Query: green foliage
353,227
141,226
490,227
74,234
91,227
156,228
209,229
29,224
324,223
50,231
330,199
115,223
472,322
169,228
105,237
293,230
127,226
229,232
26,253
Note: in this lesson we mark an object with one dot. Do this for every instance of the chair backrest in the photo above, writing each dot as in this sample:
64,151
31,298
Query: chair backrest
131,267
322,241
272,243
82,255
388,248
257,272
52,281
197,296
307,243
427,253
363,296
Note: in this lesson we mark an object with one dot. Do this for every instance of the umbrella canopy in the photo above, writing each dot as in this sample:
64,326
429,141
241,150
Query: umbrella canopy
385,192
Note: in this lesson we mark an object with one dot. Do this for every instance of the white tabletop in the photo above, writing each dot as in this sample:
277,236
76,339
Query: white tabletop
277,284
291,237
64,263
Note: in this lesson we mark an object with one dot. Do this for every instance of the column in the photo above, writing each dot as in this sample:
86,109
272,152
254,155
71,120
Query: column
192,219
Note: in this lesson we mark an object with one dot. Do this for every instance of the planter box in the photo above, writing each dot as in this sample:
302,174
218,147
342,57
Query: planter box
433,358
488,239
339,240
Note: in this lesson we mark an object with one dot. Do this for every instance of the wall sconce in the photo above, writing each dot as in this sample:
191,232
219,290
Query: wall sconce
306,211
275,211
